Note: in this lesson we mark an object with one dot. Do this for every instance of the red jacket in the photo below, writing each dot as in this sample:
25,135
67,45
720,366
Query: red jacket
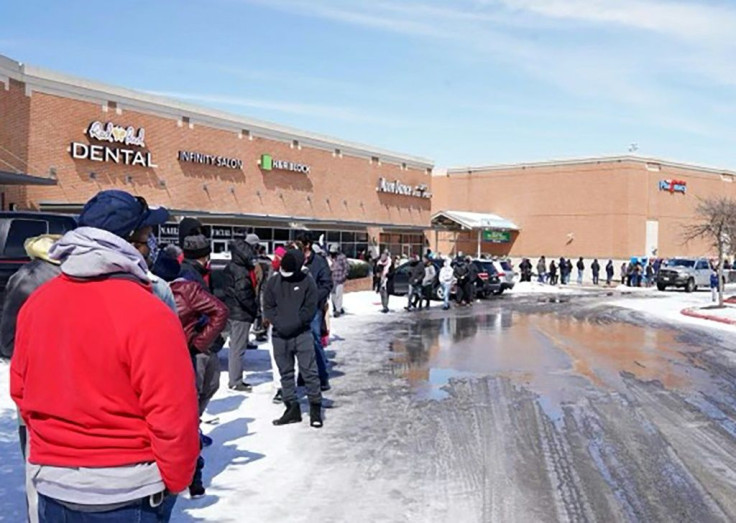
193,302
103,378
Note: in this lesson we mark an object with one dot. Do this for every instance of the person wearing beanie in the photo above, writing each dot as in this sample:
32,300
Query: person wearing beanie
19,288
289,304
194,303
189,227
122,441
320,271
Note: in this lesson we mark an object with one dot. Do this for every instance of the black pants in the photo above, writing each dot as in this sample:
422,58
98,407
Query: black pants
596,279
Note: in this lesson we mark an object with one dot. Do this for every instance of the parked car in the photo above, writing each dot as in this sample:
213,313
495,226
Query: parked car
15,229
687,273
506,275
488,282
401,280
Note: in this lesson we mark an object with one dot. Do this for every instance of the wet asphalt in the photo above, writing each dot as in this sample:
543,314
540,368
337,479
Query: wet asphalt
533,409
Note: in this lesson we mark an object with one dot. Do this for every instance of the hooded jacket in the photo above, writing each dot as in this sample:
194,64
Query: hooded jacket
290,303
320,271
23,283
193,302
416,272
447,274
109,383
238,283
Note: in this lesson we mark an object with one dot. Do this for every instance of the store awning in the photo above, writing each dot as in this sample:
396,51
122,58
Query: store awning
470,221
8,178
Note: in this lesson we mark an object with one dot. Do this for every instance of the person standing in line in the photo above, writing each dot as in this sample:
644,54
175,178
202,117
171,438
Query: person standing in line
609,272
322,277
194,268
470,281
542,270
430,273
122,441
624,273
290,303
278,255
240,284
416,276
447,277
19,288
385,270
193,303
552,273
340,268
564,271
596,268
259,330
581,270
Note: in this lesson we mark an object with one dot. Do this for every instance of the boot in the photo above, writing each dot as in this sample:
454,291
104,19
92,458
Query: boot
293,414
315,415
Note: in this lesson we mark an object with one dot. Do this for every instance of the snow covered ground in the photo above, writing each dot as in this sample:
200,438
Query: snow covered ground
257,472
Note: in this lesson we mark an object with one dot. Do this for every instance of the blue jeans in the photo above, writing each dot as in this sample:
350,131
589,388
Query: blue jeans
319,350
447,287
51,511
580,277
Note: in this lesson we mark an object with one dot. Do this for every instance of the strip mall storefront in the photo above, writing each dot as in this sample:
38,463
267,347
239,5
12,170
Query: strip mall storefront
612,207
237,175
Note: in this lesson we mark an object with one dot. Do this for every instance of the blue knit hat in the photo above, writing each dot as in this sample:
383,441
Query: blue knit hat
120,213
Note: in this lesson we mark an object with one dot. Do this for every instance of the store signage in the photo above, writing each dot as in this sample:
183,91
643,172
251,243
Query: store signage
497,236
210,159
169,231
222,233
673,186
115,134
396,187
268,163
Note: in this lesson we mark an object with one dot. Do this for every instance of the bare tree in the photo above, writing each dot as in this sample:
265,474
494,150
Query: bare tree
716,224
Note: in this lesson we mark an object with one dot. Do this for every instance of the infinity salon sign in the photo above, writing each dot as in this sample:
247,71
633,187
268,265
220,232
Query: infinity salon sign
129,143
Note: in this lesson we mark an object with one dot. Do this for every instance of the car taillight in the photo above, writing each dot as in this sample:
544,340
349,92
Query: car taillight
483,276
501,274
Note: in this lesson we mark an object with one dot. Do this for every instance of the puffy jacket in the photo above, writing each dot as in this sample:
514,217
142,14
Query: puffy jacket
107,383
447,275
290,304
22,284
430,272
193,302
320,271
239,283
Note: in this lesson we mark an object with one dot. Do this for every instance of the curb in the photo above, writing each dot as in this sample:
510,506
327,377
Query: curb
693,314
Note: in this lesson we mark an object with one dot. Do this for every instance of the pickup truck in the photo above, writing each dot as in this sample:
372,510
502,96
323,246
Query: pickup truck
687,273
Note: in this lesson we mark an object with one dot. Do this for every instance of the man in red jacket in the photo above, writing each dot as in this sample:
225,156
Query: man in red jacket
102,376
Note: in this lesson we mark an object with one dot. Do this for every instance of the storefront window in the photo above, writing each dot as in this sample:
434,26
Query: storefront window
264,233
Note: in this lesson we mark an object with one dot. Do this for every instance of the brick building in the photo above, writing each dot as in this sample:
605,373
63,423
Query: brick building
236,174
612,207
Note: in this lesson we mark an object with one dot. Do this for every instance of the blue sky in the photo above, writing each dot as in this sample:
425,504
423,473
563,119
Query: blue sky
464,82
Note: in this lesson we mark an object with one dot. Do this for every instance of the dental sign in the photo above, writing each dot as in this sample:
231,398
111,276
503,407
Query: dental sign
673,186
129,143
396,187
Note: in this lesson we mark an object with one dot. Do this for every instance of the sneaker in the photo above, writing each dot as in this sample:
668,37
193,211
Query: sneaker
325,386
196,491
384,311
242,387
251,346
278,398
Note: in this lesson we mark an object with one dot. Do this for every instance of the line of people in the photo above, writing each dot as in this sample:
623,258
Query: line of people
561,272
114,345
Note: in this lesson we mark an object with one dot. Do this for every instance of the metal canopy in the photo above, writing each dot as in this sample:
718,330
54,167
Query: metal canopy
8,178
469,221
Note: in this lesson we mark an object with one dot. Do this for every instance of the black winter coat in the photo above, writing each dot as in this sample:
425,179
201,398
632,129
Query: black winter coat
290,304
416,274
322,275
19,288
240,295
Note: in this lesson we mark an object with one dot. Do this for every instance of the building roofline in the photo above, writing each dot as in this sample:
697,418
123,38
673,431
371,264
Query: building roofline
584,161
52,82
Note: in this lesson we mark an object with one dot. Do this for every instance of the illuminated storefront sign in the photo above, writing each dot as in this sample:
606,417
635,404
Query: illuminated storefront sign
673,186
396,187
268,163
114,134
210,159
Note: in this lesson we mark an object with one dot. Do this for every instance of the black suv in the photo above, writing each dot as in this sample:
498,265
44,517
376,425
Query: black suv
15,229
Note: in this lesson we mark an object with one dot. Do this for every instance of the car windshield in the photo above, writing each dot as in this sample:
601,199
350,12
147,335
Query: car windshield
506,266
679,262
486,267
